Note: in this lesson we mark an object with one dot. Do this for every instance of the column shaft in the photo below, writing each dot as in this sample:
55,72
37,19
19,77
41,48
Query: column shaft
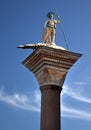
50,108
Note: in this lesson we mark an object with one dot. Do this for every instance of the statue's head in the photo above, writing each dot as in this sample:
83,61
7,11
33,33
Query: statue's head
50,15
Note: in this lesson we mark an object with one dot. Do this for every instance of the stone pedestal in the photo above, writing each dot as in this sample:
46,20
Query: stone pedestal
50,66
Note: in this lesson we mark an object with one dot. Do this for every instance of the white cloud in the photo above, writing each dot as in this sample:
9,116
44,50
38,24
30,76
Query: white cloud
79,83
74,113
22,101
32,102
76,94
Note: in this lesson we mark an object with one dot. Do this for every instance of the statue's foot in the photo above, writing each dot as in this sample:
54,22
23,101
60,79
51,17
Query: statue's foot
53,43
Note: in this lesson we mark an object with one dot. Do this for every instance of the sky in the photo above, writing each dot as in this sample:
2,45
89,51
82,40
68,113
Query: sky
21,22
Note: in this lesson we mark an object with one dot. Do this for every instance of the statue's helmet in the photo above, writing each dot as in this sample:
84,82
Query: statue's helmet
50,14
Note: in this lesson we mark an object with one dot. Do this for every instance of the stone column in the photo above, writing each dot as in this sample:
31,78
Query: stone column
50,107
50,66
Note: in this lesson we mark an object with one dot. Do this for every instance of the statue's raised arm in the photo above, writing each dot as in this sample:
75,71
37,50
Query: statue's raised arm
49,29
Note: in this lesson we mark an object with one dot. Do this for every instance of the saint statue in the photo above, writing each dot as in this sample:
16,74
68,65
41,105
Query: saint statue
49,29
48,36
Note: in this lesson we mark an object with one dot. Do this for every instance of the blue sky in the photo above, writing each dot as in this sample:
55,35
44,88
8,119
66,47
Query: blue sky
21,22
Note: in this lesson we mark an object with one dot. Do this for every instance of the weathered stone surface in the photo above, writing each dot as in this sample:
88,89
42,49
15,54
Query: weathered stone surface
50,76
50,65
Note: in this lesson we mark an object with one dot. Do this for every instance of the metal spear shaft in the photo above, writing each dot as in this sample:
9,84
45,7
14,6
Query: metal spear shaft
58,17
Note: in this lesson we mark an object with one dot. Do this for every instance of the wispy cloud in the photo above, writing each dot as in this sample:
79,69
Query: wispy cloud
32,102
76,94
79,83
74,113
22,101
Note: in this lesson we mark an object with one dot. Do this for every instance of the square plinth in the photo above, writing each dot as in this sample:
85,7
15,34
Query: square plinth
50,65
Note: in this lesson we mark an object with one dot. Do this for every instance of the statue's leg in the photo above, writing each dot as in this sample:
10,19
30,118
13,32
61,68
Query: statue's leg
53,36
48,39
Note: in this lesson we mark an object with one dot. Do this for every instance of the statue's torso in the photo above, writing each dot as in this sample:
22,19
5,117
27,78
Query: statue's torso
51,24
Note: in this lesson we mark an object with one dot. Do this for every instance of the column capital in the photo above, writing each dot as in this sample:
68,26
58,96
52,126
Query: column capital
50,65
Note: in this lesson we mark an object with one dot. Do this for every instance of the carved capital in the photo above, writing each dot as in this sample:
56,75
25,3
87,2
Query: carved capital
50,76
50,65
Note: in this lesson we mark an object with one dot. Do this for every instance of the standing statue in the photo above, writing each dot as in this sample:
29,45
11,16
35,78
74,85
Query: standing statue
49,29
48,36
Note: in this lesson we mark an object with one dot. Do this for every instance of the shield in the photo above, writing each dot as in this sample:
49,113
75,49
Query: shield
46,33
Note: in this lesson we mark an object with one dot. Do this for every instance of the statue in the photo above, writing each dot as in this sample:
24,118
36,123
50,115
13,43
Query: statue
49,29
48,36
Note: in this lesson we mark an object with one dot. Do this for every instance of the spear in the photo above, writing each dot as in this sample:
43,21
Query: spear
58,17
